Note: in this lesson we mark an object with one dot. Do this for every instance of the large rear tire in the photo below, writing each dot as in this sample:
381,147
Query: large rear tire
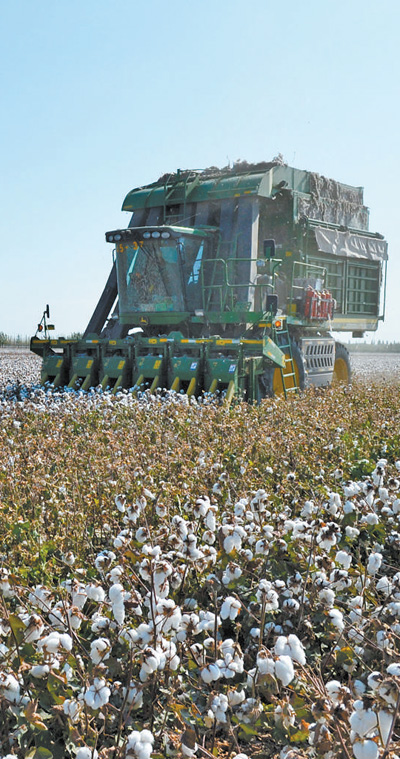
270,383
342,366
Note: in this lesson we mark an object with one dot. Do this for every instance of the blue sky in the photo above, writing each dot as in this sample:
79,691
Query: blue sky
102,96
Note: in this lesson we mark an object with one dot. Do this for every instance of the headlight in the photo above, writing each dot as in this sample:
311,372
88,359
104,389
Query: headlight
155,234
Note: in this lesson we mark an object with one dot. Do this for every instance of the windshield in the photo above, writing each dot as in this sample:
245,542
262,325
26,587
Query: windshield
159,275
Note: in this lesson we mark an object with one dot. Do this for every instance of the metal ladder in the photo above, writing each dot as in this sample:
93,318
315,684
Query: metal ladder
288,375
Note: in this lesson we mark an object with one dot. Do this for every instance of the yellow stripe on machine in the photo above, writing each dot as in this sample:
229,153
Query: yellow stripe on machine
192,387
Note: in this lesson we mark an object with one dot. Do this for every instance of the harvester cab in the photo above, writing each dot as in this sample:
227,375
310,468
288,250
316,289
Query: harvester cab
160,273
229,281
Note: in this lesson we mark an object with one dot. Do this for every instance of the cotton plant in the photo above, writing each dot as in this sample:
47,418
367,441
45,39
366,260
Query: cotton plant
218,594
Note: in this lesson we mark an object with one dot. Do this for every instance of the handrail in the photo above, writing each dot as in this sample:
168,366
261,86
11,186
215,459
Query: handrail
227,283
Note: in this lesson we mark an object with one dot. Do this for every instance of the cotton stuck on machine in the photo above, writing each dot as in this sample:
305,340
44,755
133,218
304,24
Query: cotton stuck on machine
229,281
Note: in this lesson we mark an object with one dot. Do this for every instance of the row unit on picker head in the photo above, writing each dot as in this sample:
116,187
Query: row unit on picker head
230,280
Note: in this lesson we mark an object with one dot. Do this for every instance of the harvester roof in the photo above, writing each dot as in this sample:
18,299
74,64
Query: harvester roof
265,180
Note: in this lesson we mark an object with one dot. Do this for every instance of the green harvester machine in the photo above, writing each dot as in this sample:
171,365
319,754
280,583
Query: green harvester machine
229,281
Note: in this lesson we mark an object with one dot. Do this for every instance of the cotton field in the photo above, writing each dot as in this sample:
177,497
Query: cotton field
179,579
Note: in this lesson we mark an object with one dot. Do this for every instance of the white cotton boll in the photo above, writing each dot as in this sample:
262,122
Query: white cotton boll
72,709
372,518
10,688
352,532
284,670
120,502
187,751
385,720
219,705
383,494
100,650
359,688
349,507
396,506
133,739
230,608
374,680
327,596
351,489
79,596
343,558
333,689
240,756
336,619
146,736
308,509
98,694
365,749
118,610
384,585
40,670
394,669
95,593
232,543
210,673
394,608
265,665
50,643
86,753
374,562
290,646
236,697
362,721
335,503
116,593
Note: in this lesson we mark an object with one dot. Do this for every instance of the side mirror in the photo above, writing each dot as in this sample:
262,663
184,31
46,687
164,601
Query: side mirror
269,249
47,311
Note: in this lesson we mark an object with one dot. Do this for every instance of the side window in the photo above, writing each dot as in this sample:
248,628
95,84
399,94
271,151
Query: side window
194,274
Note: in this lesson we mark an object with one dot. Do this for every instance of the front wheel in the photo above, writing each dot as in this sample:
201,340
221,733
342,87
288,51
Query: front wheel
342,367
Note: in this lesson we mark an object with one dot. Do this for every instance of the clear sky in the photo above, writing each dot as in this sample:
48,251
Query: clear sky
100,96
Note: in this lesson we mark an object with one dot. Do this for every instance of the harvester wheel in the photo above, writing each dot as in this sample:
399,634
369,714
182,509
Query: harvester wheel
271,382
341,368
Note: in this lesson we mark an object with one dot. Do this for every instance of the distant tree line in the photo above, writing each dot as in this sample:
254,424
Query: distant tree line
380,346
23,341
18,340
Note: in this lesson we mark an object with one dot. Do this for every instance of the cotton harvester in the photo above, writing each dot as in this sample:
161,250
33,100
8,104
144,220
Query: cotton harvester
229,281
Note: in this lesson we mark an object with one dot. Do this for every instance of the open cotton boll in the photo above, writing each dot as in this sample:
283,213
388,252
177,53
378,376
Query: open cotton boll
362,721
95,593
265,665
365,749
343,558
230,608
210,673
100,650
290,646
40,671
394,669
385,720
98,694
116,593
72,709
86,753
118,610
374,562
284,670
236,697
